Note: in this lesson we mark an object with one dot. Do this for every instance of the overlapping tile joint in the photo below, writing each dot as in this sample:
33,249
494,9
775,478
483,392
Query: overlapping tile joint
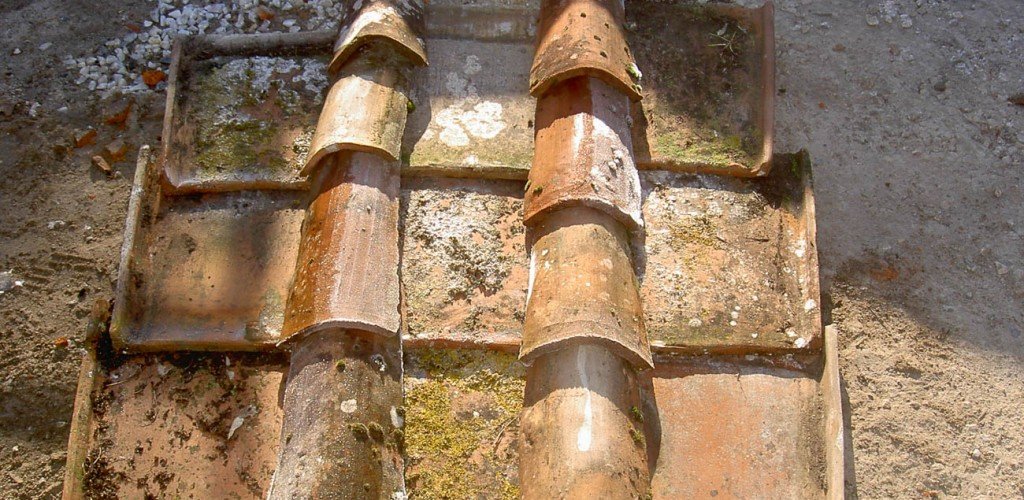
584,330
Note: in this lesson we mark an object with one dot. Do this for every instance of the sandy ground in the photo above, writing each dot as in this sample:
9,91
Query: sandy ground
918,153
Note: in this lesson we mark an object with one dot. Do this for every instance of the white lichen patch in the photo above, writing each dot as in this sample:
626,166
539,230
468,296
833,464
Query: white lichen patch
462,247
799,248
458,124
472,65
468,117
396,420
349,406
252,114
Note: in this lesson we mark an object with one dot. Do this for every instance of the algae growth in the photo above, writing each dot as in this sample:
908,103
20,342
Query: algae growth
253,116
704,113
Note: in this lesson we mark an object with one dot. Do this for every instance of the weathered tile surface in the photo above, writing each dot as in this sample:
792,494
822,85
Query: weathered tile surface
472,111
213,272
735,432
708,87
727,264
461,424
184,426
464,271
346,275
244,120
583,38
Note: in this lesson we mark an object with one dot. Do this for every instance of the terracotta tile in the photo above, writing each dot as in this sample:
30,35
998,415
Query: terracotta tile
582,38
580,437
730,265
346,274
365,110
211,273
398,22
225,131
734,431
341,433
583,288
486,20
462,412
464,264
164,424
583,154
473,114
708,87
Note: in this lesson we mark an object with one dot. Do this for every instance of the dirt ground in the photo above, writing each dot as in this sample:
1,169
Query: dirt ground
903,106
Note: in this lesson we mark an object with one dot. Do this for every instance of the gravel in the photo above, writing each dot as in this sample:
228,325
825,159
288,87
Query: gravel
116,67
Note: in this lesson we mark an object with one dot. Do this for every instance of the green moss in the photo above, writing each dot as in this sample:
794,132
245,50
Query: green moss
634,72
636,414
237,126
359,430
236,145
376,431
398,438
637,435
698,151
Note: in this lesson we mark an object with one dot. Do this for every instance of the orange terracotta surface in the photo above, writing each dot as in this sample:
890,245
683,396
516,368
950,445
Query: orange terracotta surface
582,38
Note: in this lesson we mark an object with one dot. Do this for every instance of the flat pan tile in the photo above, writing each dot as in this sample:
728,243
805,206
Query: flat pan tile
163,426
730,265
472,110
464,270
241,121
212,272
735,432
708,86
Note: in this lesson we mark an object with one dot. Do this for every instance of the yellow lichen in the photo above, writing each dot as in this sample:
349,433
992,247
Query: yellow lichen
458,412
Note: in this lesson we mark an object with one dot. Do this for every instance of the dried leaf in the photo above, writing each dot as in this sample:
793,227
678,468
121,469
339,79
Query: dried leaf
134,28
102,164
153,76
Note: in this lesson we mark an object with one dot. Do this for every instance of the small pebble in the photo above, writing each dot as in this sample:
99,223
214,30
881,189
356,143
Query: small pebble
101,164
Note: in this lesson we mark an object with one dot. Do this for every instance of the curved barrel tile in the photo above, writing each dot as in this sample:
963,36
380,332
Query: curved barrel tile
583,289
399,23
365,110
584,154
583,38
346,276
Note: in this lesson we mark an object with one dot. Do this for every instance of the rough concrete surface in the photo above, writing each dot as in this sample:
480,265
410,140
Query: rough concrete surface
903,106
